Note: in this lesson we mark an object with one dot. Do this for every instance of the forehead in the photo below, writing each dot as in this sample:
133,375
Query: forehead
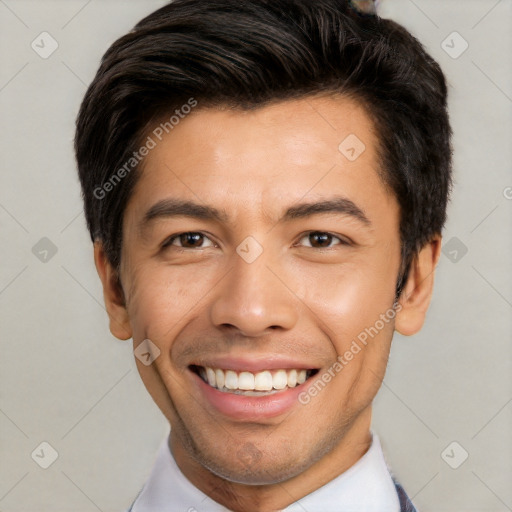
261,161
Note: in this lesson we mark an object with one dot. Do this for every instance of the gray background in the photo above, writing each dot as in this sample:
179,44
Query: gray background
66,381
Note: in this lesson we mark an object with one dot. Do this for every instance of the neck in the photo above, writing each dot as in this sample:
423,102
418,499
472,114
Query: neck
274,497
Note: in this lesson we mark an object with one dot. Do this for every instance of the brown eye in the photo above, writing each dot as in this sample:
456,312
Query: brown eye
320,240
190,240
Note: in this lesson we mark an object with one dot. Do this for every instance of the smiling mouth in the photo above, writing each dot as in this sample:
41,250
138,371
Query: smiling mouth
263,383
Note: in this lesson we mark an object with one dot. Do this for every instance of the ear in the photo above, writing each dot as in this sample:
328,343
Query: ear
417,292
112,294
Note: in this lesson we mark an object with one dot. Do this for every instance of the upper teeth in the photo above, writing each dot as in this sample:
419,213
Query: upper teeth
248,381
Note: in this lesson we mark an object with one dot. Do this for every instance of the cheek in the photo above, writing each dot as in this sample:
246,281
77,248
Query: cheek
355,311
350,298
161,299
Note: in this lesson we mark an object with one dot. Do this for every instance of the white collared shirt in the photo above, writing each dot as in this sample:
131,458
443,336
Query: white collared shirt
367,486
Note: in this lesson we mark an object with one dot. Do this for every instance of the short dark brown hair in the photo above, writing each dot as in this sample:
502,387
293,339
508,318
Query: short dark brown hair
245,54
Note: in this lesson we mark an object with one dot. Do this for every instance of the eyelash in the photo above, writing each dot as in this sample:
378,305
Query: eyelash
342,241
170,240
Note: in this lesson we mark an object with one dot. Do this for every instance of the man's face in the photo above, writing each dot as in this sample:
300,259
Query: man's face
262,280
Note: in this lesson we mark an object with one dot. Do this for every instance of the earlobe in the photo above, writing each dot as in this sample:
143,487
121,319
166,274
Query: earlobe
417,292
112,294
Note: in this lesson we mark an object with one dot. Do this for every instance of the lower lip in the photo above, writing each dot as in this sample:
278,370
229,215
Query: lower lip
250,408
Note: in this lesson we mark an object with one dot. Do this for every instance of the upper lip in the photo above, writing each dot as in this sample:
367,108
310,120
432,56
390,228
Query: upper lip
256,363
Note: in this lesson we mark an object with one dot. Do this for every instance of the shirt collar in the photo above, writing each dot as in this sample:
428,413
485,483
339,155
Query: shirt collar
367,486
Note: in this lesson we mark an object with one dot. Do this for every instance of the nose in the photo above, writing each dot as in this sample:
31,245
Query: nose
253,299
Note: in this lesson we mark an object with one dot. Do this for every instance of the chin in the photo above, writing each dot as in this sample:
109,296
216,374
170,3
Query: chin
262,473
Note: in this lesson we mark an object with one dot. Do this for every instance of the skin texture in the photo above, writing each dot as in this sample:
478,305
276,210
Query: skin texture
300,298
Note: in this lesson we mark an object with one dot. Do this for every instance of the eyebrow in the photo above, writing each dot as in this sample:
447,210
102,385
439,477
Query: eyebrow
178,208
336,205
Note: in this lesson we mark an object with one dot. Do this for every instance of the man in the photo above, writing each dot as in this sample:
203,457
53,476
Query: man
265,183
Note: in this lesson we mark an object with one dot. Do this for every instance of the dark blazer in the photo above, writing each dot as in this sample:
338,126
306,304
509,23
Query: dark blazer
405,503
